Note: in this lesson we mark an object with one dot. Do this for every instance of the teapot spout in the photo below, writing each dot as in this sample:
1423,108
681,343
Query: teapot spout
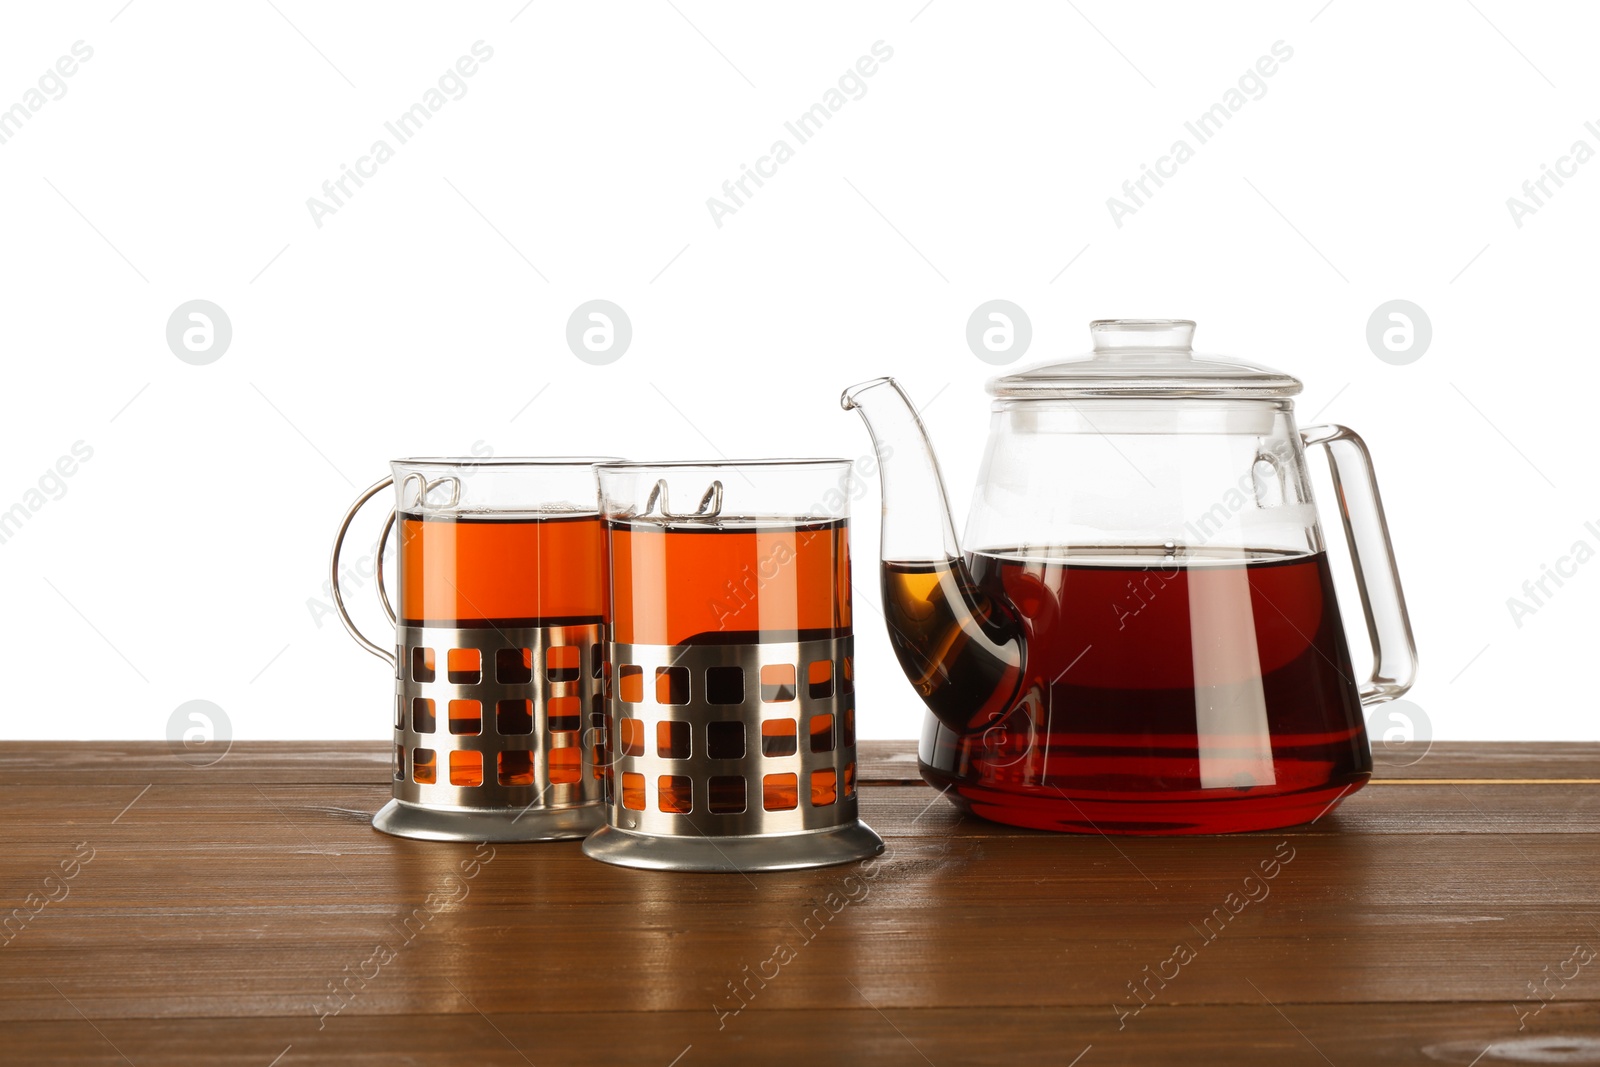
961,649
916,512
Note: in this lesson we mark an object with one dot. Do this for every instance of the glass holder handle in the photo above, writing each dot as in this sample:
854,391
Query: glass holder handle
385,654
1394,649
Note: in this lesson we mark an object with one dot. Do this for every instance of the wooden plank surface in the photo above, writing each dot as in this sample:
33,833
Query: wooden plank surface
1427,920
1378,1035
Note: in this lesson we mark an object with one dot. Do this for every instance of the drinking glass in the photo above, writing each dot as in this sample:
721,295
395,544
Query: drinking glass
730,683
497,647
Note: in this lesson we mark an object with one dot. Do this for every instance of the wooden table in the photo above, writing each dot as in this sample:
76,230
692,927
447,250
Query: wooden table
219,907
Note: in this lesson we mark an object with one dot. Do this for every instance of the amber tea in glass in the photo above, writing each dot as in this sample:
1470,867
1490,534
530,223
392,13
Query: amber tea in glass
483,570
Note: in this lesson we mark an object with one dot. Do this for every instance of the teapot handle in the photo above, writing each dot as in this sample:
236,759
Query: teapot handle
1394,649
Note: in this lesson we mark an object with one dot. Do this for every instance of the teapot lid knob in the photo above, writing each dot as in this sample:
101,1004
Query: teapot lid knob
1143,335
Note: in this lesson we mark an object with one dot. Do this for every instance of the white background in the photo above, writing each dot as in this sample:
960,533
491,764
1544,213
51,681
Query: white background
186,557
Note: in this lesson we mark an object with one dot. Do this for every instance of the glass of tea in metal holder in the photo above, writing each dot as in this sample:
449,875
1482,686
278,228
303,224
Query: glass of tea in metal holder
730,680
497,648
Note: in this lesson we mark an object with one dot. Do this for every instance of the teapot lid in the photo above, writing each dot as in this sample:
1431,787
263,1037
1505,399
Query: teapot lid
1144,358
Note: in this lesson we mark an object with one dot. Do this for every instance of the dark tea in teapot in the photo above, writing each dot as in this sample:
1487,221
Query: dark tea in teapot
1148,687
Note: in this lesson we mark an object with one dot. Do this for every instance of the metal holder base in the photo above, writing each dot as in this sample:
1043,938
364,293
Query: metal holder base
498,746
464,824
783,852
732,757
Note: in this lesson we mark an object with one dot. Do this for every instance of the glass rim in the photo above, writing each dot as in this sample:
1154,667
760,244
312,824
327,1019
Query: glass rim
503,461
818,462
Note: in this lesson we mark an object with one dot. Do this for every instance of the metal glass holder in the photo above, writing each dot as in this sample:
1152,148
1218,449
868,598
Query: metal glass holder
492,726
732,757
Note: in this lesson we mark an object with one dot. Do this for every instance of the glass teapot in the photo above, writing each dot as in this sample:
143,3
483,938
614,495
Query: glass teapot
1142,634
